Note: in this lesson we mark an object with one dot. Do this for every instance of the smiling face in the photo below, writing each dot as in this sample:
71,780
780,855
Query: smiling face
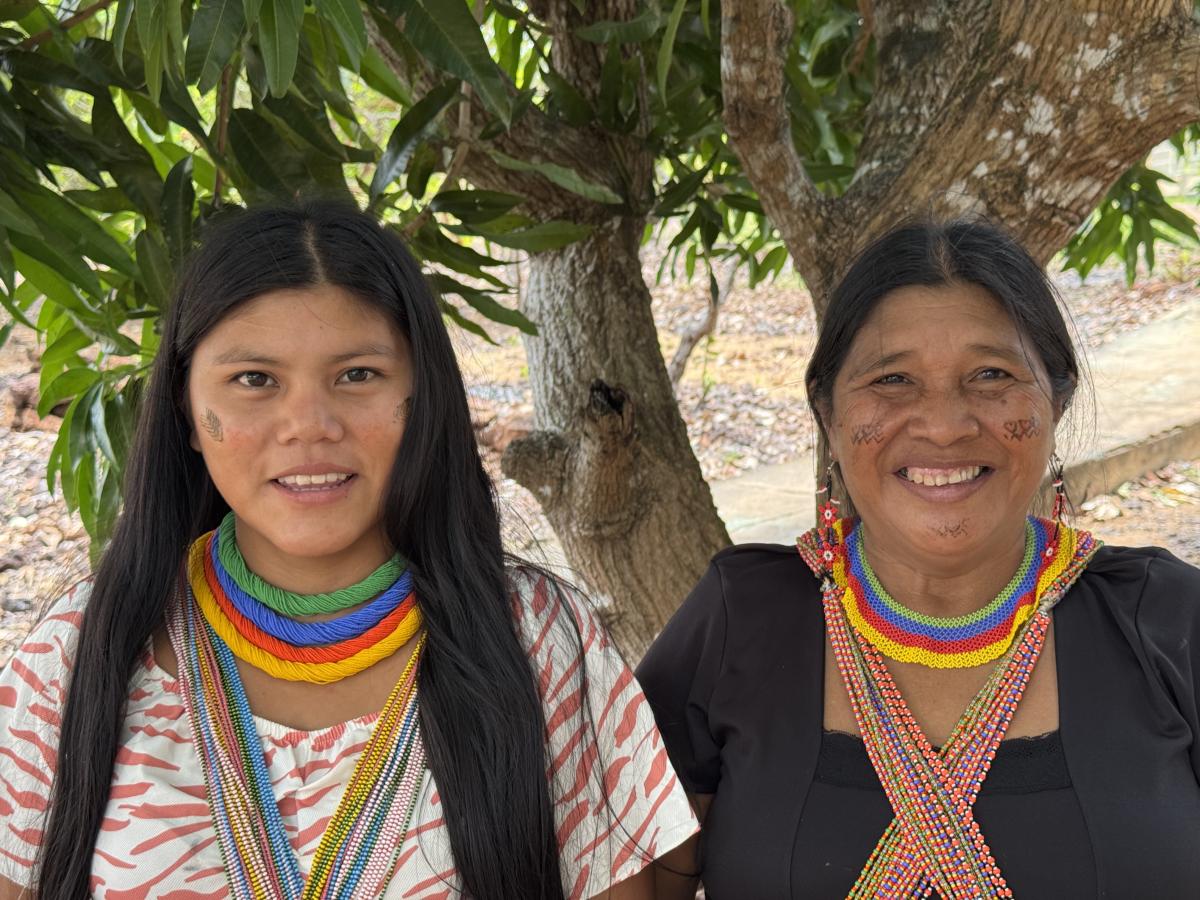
297,402
942,424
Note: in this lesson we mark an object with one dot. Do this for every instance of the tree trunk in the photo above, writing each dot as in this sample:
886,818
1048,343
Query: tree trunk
610,460
1026,112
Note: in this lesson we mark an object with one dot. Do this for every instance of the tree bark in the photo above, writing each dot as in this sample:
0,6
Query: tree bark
1026,112
610,461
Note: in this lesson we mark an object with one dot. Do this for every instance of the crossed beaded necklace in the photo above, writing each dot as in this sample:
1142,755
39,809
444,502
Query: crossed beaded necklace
218,620
934,842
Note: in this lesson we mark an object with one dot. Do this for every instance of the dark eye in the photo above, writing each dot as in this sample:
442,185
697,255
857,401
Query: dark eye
253,379
359,376
992,374
893,378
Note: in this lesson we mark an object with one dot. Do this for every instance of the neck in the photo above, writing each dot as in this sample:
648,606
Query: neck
312,574
945,585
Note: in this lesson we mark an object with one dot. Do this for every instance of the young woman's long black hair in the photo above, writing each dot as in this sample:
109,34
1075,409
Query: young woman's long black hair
481,716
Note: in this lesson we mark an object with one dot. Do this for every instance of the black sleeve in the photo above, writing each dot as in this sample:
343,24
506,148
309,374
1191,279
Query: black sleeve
678,675
1168,623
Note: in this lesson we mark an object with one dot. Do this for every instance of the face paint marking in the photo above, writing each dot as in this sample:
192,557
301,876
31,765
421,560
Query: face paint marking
403,410
871,433
211,424
958,529
1019,429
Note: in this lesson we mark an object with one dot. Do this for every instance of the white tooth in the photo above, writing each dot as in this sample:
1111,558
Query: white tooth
320,479
303,479
955,477
942,479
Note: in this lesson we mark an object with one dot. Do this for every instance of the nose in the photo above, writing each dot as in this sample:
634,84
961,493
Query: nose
308,414
944,417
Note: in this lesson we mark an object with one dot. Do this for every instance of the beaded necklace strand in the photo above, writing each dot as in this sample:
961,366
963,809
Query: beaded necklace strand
934,842
291,604
294,662
359,850
947,642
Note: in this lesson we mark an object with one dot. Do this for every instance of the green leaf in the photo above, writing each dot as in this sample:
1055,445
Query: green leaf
347,20
484,303
60,354
107,200
12,10
67,385
573,106
452,313
212,40
62,222
560,175
279,38
178,197
152,36
12,216
475,207
448,36
536,238
256,147
682,190
120,32
632,31
667,48
251,9
41,265
308,123
407,135
156,267
379,77
99,428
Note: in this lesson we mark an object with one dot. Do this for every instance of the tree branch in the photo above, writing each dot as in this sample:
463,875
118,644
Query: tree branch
754,42
36,40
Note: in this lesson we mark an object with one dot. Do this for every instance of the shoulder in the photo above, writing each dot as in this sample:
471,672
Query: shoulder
755,577
1152,590
49,648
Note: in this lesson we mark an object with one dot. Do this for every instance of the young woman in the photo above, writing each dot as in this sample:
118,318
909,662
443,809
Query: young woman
304,665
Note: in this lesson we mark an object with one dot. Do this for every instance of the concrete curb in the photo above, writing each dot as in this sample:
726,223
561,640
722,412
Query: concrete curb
1102,474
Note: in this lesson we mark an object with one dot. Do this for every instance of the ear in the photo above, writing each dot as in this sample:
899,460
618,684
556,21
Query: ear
185,407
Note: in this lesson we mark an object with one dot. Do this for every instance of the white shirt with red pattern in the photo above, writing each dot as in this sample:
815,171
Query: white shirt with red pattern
157,838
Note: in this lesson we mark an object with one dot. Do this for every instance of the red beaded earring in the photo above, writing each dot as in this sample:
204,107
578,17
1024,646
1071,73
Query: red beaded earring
827,515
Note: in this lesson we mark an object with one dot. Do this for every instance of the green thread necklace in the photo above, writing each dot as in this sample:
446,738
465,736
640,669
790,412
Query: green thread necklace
289,604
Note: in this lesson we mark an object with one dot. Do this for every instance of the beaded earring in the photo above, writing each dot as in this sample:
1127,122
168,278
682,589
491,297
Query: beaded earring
1060,502
827,515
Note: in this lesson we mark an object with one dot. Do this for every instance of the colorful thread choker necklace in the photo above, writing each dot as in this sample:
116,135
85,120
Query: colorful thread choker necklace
316,652
955,642
291,604
359,850
934,841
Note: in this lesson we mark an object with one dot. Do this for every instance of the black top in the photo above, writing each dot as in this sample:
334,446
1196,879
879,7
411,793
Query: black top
1108,806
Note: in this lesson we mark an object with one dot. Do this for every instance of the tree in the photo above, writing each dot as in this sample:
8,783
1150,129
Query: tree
1028,112
566,129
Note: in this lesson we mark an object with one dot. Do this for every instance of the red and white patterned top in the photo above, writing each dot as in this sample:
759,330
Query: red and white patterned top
157,838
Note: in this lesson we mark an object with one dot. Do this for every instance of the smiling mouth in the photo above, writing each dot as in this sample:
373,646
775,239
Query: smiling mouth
938,477
313,483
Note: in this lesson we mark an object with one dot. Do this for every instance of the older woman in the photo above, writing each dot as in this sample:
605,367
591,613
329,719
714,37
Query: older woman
945,693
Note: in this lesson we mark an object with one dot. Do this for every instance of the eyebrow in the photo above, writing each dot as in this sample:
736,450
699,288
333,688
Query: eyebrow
882,362
246,355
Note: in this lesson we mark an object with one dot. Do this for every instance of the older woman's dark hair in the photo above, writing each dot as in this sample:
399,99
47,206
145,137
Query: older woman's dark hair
481,717
960,252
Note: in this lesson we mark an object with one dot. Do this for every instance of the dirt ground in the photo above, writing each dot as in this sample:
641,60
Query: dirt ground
741,396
